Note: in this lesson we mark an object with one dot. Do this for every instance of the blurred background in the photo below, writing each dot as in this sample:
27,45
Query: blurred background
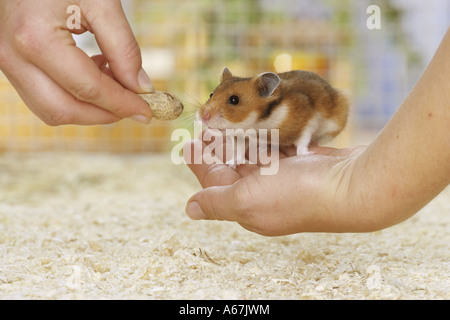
186,44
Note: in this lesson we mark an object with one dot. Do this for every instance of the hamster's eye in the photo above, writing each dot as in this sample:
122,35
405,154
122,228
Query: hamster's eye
210,96
234,100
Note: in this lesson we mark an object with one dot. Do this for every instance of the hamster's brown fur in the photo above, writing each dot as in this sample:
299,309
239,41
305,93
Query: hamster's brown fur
302,105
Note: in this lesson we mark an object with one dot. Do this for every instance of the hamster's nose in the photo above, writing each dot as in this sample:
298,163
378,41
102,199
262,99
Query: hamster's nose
206,115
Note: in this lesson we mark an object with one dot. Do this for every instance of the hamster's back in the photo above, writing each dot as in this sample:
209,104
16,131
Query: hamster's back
322,96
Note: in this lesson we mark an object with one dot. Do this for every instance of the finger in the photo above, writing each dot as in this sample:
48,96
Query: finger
213,203
215,141
207,174
326,151
289,151
119,47
247,169
50,102
216,203
102,64
346,152
100,61
72,69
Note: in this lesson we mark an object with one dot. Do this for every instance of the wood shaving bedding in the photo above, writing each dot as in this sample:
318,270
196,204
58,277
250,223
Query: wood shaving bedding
93,226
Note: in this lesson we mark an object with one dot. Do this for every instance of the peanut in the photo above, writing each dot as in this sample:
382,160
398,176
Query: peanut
163,104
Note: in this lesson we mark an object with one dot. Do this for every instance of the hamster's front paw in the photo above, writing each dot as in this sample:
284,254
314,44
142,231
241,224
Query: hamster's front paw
303,151
232,164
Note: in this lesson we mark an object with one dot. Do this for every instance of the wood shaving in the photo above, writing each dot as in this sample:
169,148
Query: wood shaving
94,226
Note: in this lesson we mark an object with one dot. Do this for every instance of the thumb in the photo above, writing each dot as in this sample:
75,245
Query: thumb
118,44
214,203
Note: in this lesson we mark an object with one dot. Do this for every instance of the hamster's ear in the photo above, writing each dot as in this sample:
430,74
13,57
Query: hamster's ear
226,74
267,83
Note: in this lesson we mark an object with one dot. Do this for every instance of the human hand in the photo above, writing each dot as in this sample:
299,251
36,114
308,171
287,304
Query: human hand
57,80
308,194
348,190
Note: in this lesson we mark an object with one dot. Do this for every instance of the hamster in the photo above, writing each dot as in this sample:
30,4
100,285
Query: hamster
302,105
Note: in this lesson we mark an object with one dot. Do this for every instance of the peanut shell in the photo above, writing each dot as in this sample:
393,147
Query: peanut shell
164,105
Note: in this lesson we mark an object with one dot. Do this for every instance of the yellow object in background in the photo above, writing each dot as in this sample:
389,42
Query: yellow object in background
314,62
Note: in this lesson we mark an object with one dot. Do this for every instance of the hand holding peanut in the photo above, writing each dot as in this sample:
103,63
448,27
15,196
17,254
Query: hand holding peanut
56,79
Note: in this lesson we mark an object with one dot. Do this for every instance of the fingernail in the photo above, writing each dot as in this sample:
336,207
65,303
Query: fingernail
141,119
144,81
195,212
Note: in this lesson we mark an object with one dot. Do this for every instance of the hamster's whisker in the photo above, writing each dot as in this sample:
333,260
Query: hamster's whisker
224,122
194,101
